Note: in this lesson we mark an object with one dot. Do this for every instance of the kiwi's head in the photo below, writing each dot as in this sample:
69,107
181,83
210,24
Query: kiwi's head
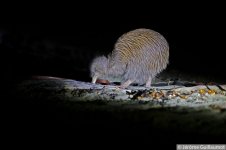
98,68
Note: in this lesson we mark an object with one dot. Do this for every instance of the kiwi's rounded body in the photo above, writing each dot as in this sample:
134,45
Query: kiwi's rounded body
138,56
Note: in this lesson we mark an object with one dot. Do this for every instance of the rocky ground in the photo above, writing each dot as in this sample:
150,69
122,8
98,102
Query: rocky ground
171,113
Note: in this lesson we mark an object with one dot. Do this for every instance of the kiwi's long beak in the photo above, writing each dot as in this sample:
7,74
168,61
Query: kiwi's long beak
94,79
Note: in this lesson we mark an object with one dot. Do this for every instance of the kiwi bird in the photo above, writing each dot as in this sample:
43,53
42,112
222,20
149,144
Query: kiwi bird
138,56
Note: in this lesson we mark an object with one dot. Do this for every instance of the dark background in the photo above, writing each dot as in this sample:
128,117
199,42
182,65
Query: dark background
65,45
64,42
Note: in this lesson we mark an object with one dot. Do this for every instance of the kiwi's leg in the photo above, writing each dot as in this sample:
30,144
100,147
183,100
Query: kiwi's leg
126,84
148,83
